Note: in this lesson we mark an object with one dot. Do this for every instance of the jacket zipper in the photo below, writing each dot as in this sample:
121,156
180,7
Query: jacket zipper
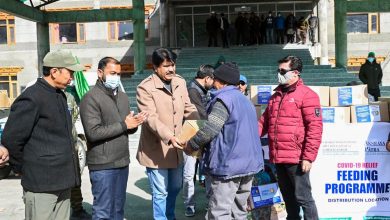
276,123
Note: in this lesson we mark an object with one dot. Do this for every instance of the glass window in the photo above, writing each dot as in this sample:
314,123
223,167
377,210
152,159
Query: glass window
265,8
357,23
285,7
4,86
8,82
7,30
219,9
202,10
12,34
125,30
68,33
81,32
374,23
112,31
3,35
303,6
184,31
184,10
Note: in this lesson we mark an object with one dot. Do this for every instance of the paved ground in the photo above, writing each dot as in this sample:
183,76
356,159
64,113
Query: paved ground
138,201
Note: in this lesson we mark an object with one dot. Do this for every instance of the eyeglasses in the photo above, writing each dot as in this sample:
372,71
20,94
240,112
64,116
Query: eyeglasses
283,71
242,83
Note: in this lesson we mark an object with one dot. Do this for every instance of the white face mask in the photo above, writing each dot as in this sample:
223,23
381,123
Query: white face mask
284,79
112,81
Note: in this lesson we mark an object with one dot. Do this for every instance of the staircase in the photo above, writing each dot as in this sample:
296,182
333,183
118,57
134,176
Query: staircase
258,64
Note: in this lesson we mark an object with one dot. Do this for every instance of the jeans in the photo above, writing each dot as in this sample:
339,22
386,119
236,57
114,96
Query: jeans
109,193
188,181
165,185
269,35
296,190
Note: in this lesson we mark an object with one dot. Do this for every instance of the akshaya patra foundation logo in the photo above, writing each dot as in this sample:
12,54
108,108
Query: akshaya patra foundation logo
376,147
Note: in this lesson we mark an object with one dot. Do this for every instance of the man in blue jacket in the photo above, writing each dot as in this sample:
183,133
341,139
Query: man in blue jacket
234,153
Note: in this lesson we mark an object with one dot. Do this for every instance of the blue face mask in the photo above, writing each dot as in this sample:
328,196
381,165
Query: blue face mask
112,81
371,59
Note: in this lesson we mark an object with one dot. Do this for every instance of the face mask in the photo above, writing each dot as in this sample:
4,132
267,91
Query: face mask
284,79
371,59
112,81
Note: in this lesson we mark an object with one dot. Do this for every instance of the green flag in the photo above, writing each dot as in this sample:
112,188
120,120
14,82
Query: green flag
81,83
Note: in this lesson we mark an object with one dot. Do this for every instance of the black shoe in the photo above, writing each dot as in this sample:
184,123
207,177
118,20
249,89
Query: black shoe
82,215
190,212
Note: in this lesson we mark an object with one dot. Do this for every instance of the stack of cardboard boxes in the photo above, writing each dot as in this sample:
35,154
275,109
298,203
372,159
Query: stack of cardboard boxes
346,104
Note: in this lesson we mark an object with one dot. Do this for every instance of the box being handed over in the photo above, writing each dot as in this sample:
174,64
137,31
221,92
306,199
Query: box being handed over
264,195
190,127
349,95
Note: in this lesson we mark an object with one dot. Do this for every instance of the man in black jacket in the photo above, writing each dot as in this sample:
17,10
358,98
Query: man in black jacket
198,91
107,121
38,136
370,73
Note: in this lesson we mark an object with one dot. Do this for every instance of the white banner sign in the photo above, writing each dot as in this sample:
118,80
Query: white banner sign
351,177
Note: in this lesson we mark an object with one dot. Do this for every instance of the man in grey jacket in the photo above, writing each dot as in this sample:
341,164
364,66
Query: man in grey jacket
107,121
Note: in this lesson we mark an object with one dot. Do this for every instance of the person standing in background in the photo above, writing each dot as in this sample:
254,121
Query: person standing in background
370,73
198,91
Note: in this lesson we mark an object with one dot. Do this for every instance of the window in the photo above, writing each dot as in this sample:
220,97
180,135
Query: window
9,82
7,29
363,23
124,30
67,33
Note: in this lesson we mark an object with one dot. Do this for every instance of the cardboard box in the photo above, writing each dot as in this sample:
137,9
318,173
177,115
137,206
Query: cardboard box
376,111
264,195
323,93
336,114
4,100
385,99
348,95
190,127
260,94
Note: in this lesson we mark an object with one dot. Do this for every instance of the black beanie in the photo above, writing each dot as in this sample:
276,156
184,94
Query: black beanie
229,73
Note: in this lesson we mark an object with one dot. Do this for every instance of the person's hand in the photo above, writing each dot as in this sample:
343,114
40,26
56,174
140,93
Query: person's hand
133,121
388,145
176,142
306,166
187,149
4,156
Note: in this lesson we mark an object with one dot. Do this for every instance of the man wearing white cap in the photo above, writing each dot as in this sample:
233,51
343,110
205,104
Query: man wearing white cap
38,136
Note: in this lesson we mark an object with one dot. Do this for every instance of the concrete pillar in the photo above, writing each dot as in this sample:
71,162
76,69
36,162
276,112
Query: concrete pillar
164,23
172,24
323,30
43,44
340,17
139,35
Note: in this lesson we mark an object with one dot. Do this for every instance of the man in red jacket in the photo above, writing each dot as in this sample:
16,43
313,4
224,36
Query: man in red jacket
293,122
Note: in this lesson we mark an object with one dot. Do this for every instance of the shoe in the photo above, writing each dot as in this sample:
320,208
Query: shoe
82,215
190,212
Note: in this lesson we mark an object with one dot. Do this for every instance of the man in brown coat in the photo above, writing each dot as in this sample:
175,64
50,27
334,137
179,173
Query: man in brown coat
164,96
